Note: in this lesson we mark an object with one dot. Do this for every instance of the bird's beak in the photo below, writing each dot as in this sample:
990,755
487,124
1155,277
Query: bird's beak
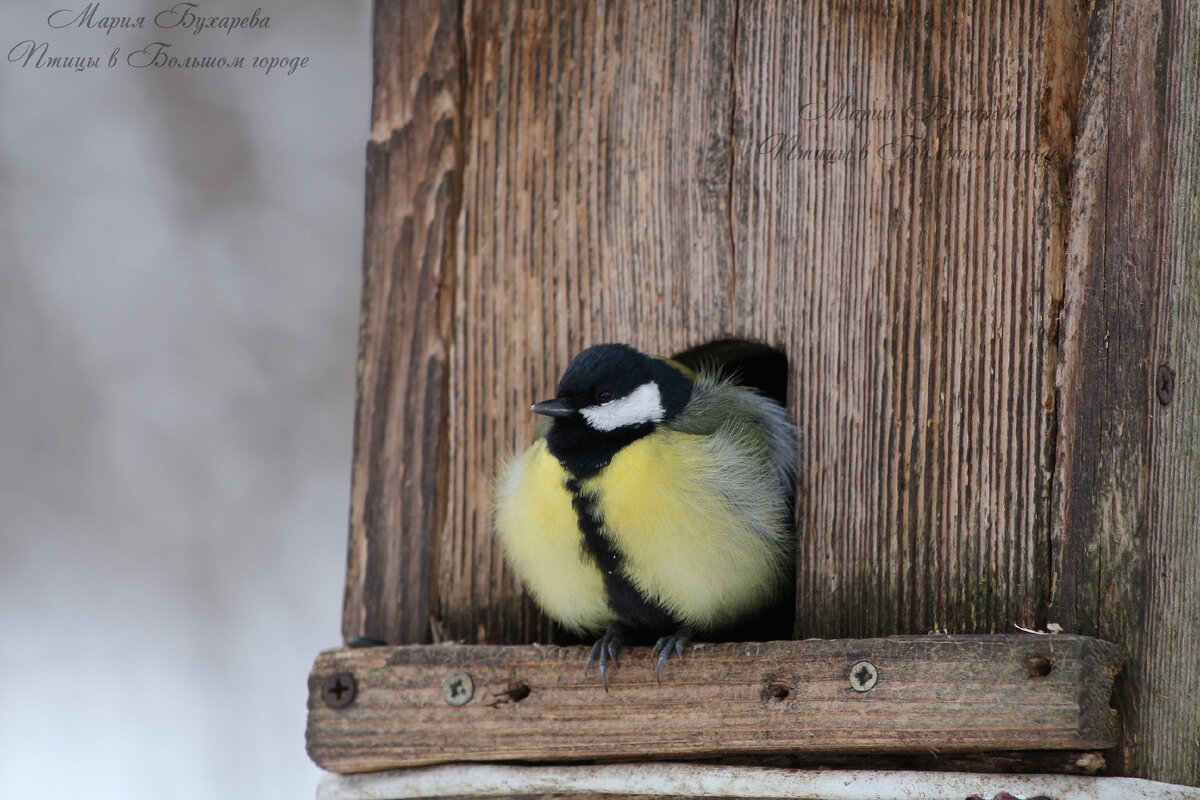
553,408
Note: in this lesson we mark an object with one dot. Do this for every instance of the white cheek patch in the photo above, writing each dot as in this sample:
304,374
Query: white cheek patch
642,405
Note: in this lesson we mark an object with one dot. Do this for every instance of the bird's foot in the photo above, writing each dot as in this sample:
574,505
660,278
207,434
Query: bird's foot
605,650
663,647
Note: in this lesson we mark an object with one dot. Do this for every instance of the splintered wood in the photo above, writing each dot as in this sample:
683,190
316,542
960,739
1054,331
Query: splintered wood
896,695
1127,512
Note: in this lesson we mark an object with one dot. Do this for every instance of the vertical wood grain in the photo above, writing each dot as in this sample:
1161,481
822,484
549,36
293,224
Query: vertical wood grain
898,196
1127,531
400,448
1112,283
616,187
1169,699
974,308
595,209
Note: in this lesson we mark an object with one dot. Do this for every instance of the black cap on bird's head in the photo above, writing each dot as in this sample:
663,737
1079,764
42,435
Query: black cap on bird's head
612,387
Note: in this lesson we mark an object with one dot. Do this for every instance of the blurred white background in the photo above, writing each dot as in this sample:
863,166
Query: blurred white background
179,278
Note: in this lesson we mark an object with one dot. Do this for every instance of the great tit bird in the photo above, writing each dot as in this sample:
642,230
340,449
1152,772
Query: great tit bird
654,500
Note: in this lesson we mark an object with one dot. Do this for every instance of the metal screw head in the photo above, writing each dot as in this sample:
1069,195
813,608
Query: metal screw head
1164,384
338,690
458,688
863,676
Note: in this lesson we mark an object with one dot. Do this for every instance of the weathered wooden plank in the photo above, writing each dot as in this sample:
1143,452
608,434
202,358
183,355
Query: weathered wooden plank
594,210
1110,305
1169,711
400,431
614,189
1127,542
949,694
898,191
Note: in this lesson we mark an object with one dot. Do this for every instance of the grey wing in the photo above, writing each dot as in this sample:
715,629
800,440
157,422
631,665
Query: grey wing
750,421
780,438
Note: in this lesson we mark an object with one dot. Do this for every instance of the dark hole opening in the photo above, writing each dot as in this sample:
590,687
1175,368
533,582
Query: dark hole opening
1119,689
756,365
1038,666
776,691
518,692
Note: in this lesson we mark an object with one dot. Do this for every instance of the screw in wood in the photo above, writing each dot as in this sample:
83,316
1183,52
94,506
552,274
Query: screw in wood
458,688
1164,384
338,690
863,676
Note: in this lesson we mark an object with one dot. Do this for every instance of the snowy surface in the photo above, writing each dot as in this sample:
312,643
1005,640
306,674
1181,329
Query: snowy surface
179,277
704,780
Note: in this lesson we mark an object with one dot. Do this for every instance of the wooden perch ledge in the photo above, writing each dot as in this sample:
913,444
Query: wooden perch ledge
386,707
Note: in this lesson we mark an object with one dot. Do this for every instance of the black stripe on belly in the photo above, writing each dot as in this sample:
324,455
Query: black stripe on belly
623,598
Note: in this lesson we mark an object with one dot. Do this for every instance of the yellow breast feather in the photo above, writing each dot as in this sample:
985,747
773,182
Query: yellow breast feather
705,555
539,532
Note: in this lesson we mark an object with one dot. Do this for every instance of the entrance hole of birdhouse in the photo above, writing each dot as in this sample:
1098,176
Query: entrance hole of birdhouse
756,365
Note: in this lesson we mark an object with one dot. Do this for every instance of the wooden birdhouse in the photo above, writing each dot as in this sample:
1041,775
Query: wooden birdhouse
959,240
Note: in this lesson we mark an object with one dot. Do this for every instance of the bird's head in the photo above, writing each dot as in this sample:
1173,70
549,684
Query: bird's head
613,388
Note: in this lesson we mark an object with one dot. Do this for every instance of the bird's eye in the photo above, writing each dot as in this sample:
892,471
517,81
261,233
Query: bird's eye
604,396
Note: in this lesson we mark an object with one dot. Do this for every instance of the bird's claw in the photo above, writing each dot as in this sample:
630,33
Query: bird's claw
663,647
604,651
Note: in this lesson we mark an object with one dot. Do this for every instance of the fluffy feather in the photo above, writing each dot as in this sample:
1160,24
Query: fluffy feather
541,539
696,510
